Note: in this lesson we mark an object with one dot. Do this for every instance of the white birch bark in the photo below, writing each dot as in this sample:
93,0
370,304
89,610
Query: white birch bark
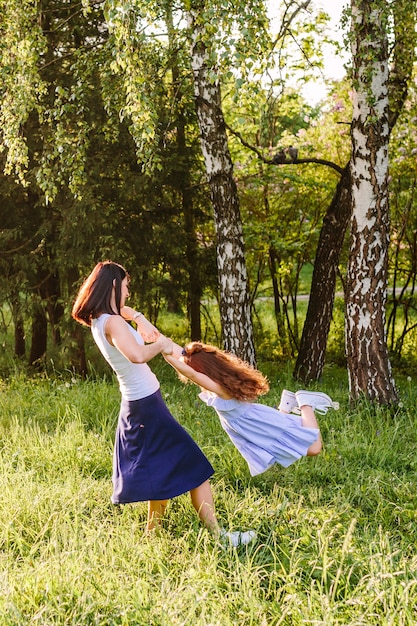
233,284
369,367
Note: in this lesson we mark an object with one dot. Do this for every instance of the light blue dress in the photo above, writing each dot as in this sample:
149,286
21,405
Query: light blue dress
262,435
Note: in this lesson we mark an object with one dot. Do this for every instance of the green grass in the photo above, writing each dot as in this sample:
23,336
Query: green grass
336,533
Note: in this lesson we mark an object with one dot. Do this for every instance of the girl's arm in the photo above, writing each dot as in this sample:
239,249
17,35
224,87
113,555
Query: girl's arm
119,335
202,380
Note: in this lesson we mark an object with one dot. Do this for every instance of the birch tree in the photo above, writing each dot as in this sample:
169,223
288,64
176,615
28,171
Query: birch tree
232,275
369,366
240,35
402,17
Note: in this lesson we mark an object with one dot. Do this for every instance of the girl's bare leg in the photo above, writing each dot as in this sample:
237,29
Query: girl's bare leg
308,418
202,499
156,510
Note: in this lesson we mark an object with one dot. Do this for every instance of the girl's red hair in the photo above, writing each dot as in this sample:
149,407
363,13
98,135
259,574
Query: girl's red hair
239,378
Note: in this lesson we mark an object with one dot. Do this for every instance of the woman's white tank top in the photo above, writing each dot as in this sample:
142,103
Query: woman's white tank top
136,380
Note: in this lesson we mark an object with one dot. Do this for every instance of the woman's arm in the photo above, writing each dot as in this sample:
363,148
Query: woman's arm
202,380
144,327
118,334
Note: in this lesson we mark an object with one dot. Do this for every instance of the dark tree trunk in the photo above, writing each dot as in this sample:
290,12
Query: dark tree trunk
19,336
19,328
50,290
79,359
311,355
39,335
194,291
184,185
279,316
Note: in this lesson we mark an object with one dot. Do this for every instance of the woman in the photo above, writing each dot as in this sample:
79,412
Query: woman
154,459
262,434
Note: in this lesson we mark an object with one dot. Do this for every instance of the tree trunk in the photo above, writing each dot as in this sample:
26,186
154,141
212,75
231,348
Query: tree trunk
194,283
369,366
279,316
50,291
39,335
184,185
235,311
78,356
19,337
19,327
314,340
311,355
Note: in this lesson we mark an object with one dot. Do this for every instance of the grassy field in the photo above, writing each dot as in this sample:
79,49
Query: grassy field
336,533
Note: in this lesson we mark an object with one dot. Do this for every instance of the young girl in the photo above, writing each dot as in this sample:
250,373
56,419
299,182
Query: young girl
263,435
154,458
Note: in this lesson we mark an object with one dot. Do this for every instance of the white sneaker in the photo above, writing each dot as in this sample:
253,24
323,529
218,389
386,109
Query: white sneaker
319,401
288,402
237,538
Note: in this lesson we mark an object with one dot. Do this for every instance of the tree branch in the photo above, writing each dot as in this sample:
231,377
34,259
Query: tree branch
288,19
283,161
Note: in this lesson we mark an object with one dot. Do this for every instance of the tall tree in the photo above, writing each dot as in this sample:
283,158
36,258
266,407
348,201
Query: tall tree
234,294
183,178
225,36
369,366
311,357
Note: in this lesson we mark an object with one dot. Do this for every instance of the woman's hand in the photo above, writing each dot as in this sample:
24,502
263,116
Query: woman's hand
119,335
167,346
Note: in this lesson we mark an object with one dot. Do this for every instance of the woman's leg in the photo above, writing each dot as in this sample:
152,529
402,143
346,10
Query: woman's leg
202,499
308,418
156,510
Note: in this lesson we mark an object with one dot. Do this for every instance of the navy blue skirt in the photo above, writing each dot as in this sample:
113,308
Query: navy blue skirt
154,457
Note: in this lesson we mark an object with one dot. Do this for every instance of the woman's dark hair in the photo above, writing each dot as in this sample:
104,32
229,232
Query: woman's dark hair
94,296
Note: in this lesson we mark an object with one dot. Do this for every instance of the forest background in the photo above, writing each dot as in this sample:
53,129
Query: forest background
106,154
